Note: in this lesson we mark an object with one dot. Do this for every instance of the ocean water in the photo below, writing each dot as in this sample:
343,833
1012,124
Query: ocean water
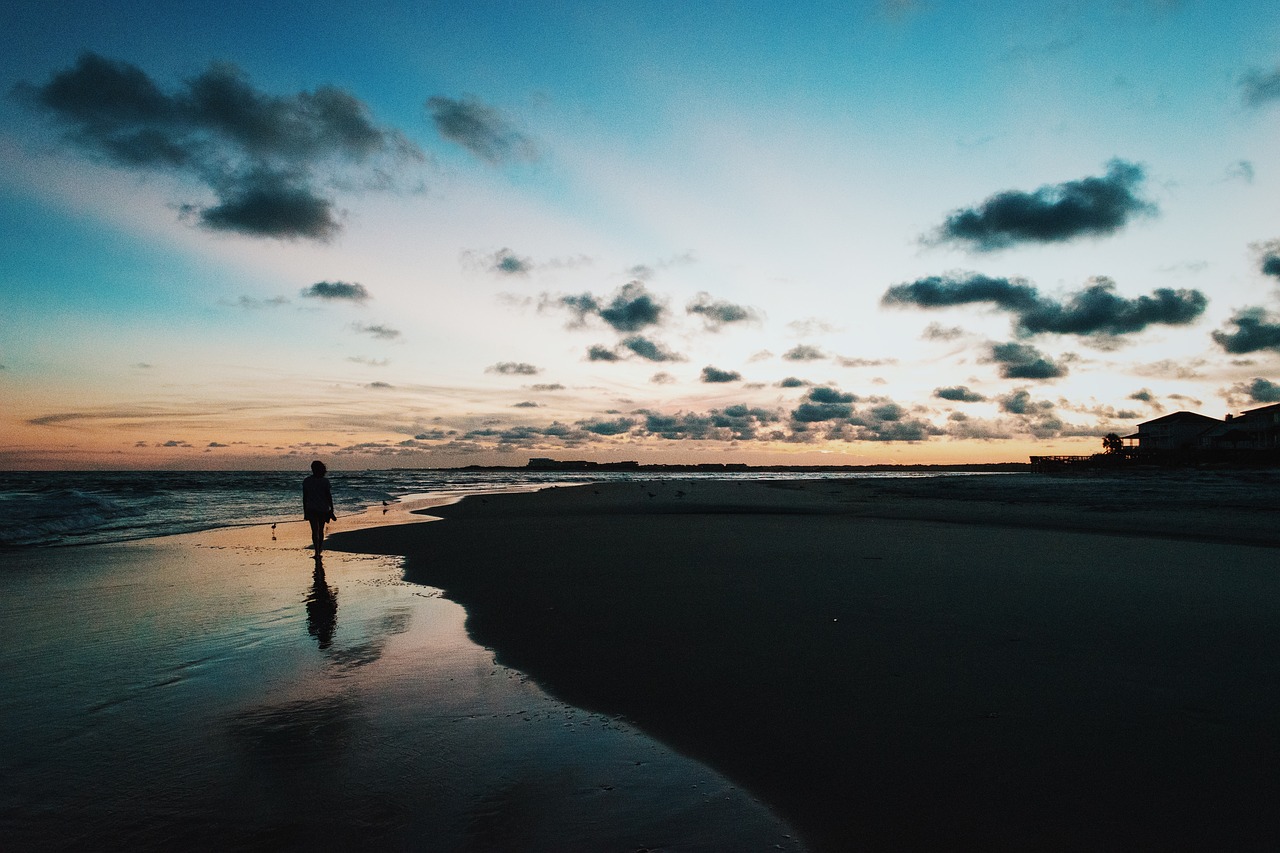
46,509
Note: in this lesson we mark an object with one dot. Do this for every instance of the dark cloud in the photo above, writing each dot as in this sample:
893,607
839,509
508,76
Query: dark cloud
792,382
1022,361
1011,294
620,426
1094,206
337,291
804,352
716,314
1094,310
1260,390
1260,87
714,374
265,157
525,404
1144,395
480,129
732,423
513,368
650,350
958,394
377,330
508,263
379,385
1019,402
630,309
553,386
1269,257
218,444
600,352
662,378
823,404
1255,330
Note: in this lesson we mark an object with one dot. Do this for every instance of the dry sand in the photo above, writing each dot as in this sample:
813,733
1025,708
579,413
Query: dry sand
951,664
211,692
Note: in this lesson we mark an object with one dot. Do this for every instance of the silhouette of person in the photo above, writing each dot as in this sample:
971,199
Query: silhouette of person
317,504
322,608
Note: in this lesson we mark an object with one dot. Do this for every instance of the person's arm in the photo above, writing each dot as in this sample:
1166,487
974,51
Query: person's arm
328,493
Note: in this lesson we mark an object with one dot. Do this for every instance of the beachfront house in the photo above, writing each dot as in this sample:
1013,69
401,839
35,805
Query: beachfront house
1178,431
1255,429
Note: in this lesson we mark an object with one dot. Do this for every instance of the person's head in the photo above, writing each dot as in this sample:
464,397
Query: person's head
318,468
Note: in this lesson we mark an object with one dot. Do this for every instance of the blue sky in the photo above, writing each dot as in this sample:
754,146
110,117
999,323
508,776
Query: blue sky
835,232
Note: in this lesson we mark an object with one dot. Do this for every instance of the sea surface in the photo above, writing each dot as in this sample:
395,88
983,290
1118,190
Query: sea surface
50,509
54,508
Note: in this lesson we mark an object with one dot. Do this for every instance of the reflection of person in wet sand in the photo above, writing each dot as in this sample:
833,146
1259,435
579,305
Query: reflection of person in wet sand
317,504
322,608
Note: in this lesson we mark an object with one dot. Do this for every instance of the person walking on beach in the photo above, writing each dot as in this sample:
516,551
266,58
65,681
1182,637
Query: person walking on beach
317,504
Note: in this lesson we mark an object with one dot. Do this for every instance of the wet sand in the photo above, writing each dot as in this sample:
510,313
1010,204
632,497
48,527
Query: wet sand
212,692
977,663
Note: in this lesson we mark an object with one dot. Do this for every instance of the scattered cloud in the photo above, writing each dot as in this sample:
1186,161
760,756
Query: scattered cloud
480,129
370,362
1094,310
938,332
823,404
865,362
379,385
804,352
513,368
1258,390
1054,213
337,291
1019,402
716,314
1255,330
548,386
732,423
1023,361
1167,368
792,382
1260,87
600,352
1144,395
662,378
714,375
250,303
1268,257
958,394
650,350
810,326
217,444
1240,170
377,330
620,426
631,308
266,158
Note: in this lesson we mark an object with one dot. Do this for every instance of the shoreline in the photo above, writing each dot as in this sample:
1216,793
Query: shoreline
214,691
1051,672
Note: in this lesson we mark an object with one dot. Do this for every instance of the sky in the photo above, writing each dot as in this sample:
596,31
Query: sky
245,235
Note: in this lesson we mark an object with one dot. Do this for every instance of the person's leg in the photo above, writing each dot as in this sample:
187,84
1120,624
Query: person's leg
317,533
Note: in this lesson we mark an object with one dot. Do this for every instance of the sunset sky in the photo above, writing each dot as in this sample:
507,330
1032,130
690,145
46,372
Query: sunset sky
242,235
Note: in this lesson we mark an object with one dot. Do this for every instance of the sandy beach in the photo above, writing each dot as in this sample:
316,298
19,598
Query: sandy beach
210,691
963,663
